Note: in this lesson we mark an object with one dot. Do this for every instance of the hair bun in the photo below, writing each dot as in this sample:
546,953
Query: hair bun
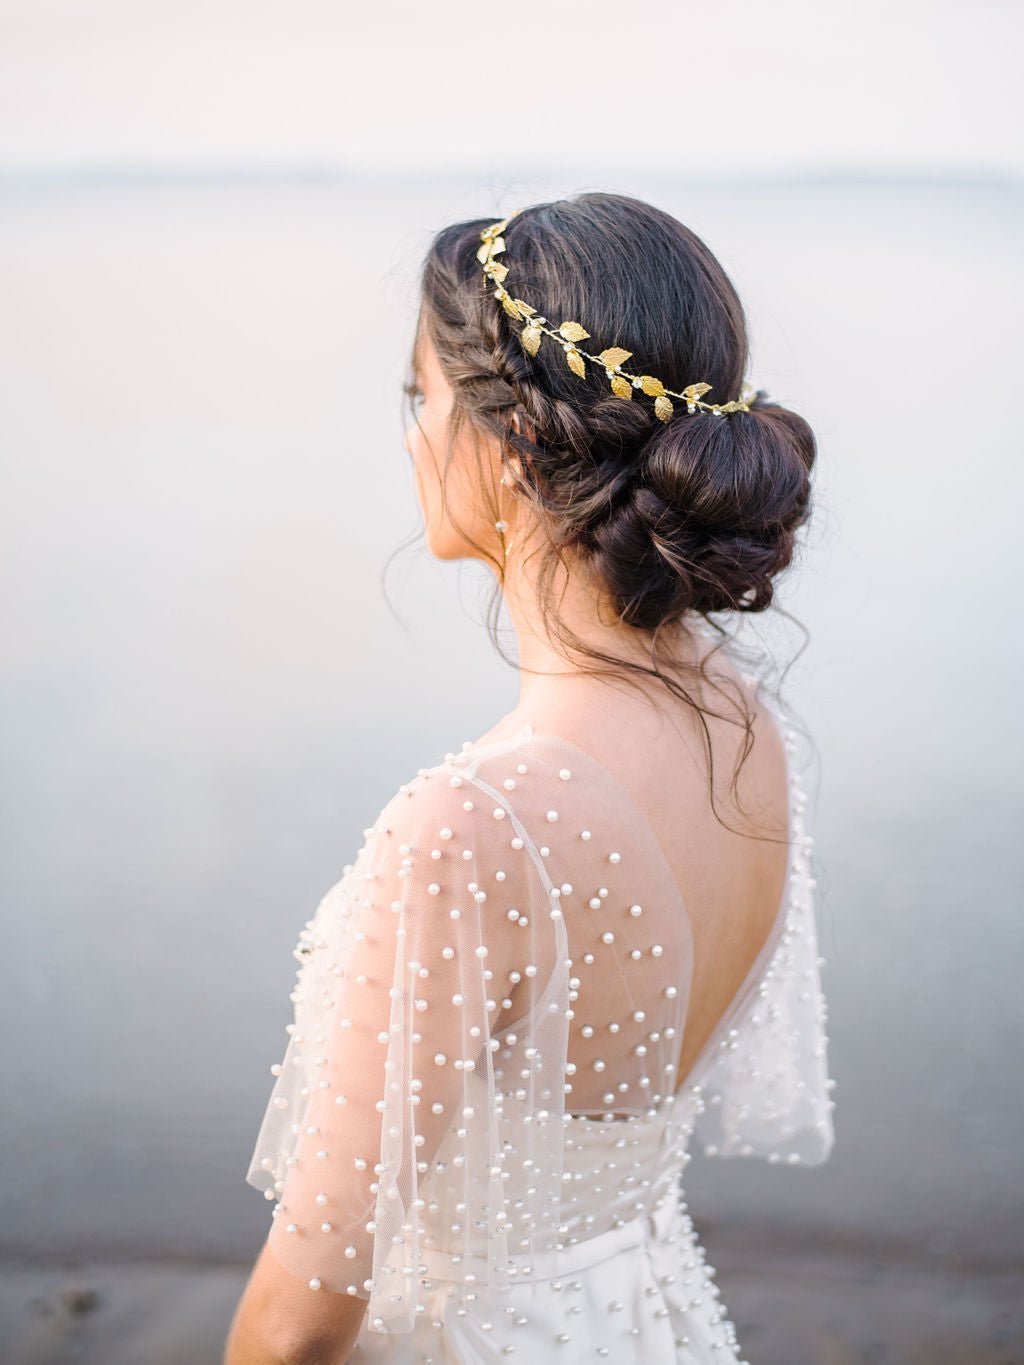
710,517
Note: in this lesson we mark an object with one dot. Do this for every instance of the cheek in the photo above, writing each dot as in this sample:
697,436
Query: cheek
428,484
443,538
423,460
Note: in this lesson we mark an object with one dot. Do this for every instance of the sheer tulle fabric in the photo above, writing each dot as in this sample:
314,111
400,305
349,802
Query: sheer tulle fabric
409,1141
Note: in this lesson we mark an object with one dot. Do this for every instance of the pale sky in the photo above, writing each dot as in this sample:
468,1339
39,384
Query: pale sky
736,87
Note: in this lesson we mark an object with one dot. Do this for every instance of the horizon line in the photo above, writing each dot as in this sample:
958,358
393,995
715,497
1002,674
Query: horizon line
327,173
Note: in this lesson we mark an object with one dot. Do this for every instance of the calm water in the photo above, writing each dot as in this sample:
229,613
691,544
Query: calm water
209,691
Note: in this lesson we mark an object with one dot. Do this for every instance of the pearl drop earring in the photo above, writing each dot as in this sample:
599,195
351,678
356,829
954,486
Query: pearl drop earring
501,525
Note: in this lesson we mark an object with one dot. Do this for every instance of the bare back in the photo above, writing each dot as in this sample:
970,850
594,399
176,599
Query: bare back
712,894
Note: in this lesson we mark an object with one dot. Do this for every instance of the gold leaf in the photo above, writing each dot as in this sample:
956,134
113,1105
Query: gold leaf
496,270
497,245
572,331
694,391
651,386
525,308
576,362
530,337
613,357
483,252
509,306
663,408
621,388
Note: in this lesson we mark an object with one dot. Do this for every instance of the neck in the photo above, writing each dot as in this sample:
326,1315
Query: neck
550,672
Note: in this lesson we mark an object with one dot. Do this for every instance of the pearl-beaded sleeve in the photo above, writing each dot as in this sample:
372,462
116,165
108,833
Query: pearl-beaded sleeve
406,966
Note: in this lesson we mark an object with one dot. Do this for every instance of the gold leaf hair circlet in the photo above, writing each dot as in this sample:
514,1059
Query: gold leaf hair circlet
568,334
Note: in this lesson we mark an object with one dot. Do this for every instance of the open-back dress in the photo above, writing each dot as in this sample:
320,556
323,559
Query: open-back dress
477,1125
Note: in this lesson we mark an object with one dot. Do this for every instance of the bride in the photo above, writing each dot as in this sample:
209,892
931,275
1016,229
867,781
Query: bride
586,935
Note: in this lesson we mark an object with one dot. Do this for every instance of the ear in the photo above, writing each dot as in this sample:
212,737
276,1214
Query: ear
519,427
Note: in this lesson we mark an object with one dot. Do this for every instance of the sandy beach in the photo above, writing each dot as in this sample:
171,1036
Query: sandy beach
802,1310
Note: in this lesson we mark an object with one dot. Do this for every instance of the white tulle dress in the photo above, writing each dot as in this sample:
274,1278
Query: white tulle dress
477,1124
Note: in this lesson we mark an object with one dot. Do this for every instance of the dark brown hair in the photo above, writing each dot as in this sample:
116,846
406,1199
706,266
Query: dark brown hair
672,520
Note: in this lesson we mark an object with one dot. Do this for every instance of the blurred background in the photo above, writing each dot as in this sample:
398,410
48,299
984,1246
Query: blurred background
224,643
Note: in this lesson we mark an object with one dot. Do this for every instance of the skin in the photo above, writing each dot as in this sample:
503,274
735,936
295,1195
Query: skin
279,1321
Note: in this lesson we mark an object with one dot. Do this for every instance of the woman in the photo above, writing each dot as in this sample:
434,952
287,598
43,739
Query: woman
588,934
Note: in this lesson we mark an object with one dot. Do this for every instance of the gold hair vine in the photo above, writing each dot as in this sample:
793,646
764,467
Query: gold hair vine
569,334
